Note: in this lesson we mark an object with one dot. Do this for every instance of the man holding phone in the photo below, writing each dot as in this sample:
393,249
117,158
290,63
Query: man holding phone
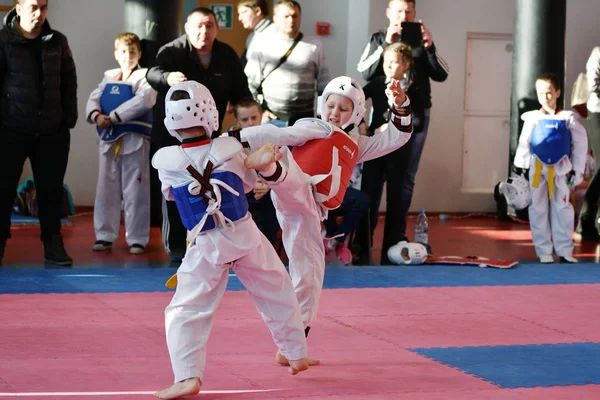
427,65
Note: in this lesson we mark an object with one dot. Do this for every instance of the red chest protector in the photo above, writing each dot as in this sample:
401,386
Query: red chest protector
330,163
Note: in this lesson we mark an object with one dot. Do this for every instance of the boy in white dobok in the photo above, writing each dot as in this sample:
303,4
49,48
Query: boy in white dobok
121,108
312,179
553,146
208,180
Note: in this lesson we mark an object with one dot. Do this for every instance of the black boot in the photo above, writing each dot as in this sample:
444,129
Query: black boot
54,251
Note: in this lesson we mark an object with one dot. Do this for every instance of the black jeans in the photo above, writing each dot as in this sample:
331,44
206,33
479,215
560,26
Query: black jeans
399,169
588,215
354,206
48,155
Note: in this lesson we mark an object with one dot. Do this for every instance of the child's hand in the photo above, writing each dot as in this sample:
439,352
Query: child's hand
260,189
576,179
103,121
395,93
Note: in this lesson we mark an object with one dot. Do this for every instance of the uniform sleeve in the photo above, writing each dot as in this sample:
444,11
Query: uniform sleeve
523,154
436,66
93,108
370,59
161,68
395,135
295,135
579,145
68,86
142,101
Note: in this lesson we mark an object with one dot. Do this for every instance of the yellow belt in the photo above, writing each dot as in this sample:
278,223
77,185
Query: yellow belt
117,148
537,173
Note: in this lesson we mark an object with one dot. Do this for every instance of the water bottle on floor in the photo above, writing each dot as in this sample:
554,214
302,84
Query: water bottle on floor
421,228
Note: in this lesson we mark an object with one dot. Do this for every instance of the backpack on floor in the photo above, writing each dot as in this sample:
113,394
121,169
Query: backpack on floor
26,202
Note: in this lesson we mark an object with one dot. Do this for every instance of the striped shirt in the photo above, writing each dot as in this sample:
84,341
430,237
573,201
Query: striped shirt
289,89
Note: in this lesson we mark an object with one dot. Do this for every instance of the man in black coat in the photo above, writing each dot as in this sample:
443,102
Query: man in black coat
38,107
197,56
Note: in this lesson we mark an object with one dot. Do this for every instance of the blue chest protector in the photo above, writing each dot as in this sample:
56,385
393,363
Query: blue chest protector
192,208
551,140
113,96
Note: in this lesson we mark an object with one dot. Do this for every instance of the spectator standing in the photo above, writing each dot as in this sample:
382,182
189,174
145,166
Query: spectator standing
285,86
254,15
427,65
121,107
587,227
38,108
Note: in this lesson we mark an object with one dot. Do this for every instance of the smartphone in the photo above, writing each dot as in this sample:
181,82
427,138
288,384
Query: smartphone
411,34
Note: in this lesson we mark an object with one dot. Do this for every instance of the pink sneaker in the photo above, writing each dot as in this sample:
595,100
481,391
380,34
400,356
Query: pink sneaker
343,253
326,246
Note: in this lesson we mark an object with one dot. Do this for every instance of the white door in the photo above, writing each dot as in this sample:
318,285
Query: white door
486,111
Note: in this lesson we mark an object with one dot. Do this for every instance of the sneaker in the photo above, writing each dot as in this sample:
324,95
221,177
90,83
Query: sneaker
101,245
177,255
328,249
343,253
586,237
2,248
54,251
569,260
136,249
546,259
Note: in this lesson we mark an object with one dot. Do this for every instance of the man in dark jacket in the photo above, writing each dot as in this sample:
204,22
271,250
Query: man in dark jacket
38,107
197,56
427,65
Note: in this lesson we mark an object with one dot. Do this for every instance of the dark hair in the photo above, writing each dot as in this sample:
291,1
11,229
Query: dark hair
262,4
550,77
179,95
204,11
245,103
290,4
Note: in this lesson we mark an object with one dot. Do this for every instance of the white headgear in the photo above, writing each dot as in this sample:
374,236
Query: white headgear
347,87
516,191
199,110
407,253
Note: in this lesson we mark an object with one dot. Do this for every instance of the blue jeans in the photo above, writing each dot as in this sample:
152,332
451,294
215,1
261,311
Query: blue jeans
399,168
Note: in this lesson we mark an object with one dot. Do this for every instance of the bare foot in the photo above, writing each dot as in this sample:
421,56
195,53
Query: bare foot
297,366
262,159
188,387
280,359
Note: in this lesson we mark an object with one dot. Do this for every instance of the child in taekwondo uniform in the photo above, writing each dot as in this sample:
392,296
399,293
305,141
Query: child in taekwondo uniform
312,179
553,146
208,180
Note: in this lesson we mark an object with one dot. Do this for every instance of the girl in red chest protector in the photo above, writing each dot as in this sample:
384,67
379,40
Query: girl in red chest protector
312,179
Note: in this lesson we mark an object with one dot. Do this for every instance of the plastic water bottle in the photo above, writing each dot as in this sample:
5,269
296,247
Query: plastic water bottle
421,228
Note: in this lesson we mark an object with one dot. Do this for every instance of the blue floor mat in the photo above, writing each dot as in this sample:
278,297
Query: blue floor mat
28,219
138,276
525,365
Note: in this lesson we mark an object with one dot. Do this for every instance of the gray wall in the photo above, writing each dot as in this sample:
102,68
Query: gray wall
91,26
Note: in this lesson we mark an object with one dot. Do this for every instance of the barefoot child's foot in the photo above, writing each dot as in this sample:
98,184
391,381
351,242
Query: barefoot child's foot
280,359
188,387
297,366
263,158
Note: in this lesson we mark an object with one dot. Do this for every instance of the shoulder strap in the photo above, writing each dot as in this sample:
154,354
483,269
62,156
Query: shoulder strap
281,60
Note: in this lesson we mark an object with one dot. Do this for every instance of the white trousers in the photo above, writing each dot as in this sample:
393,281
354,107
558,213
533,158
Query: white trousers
200,288
127,178
551,220
299,216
